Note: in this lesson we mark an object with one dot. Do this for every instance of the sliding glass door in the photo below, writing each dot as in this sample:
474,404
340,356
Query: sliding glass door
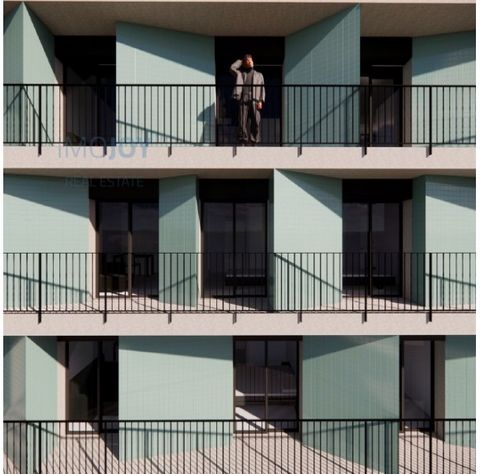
128,245
266,381
234,244
372,247
92,379
422,382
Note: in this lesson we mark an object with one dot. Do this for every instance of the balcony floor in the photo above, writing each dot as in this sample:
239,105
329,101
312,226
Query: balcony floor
274,453
146,304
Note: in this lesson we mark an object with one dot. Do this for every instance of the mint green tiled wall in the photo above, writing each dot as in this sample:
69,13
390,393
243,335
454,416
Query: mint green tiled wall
41,378
12,45
148,55
444,59
307,240
327,52
353,377
447,59
460,377
14,378
443,222
29,58
29,48
30,393
174,378
54,210
178,240
56,214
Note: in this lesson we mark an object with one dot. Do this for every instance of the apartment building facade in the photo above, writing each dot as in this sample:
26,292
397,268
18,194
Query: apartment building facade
173,299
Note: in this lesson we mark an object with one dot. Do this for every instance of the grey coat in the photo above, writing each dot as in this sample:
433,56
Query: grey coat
258,90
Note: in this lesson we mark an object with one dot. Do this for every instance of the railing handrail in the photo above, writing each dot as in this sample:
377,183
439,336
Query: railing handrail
33,84
290,252
233,420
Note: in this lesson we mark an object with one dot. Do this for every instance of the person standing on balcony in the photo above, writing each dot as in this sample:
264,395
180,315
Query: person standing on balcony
250,92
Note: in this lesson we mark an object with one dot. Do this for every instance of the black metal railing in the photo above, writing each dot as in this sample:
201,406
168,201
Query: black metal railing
418,446
336,115
239,282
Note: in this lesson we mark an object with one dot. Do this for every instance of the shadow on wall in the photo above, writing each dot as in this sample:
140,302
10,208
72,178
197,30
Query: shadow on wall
319,191
314,33
173,46
432,54
457,191
185,346
48,192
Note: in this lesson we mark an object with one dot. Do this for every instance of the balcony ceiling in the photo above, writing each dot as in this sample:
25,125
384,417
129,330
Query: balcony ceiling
242,18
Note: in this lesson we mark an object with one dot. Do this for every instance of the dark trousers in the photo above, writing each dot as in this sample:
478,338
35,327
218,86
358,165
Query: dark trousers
248,122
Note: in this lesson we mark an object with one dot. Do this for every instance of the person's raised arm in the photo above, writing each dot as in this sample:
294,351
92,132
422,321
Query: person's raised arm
235,67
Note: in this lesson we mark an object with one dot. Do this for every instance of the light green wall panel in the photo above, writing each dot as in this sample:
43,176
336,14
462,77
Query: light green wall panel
56,215
30,384
14,378
29,58
307,218
12,45
55,212
443,220
174,378
351,377
179,229
173,114
14,400
38,51
460,375
348,377
41,393
450,214
327,52
41,378
29,48
444,59
447,59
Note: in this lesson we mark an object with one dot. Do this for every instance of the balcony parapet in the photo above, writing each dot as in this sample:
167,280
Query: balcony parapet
202,445
206,115
239,283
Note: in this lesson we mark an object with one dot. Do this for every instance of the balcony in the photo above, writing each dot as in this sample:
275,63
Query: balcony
227,446
206,115
195,282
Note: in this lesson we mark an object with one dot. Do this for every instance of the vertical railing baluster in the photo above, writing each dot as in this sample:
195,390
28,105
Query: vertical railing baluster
39,287
39,119
430,287
430,122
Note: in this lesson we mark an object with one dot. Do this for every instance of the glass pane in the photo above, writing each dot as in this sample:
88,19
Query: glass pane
282,381
109,380
355,245
417,379
386,256
82,376
113,234
250,380
145,248
218,248
386,120
250,227
250,245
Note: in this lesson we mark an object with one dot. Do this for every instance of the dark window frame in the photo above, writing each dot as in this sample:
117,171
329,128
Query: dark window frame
99,421
98,242
435,397
299,342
